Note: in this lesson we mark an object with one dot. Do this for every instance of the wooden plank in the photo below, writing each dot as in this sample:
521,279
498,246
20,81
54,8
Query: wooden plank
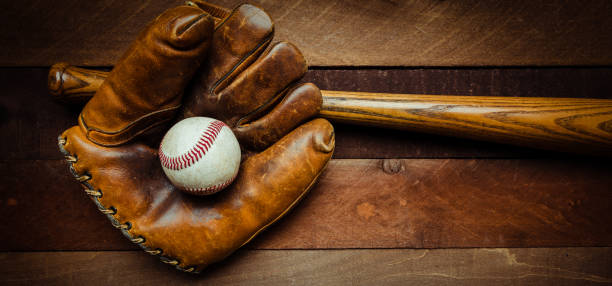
499,266
335,33
423,203
44,209
580,82
32,120
411,203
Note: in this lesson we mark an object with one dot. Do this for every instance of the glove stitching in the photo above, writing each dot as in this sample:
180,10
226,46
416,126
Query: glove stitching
226,18
131,124
230,74
104,138
71,159
254,52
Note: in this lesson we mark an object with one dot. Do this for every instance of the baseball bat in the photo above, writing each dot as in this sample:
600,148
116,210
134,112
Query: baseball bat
580,125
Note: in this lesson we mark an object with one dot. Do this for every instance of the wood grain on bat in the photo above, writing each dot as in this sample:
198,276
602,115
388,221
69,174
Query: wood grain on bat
551,123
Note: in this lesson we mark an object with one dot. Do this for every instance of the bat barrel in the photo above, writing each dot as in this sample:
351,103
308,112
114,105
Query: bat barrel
564,124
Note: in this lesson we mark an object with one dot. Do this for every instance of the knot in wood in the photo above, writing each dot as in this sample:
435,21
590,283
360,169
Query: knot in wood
392,166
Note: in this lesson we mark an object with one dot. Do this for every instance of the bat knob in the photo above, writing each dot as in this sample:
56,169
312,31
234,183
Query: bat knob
69,84
55,79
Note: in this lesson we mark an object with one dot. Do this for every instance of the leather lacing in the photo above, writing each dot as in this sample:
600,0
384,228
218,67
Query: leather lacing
217,12
111,211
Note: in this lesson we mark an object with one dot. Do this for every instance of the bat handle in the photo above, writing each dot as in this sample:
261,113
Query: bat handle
71,84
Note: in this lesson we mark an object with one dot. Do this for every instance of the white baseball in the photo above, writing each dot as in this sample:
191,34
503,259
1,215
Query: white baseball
200,155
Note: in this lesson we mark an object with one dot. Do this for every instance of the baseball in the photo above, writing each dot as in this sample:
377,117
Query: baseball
200,155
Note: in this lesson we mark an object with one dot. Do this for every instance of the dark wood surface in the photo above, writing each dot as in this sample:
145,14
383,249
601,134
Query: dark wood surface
335,33
444,193
385,192
531,266
358,203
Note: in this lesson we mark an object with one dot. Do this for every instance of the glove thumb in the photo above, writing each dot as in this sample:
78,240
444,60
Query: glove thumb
145,88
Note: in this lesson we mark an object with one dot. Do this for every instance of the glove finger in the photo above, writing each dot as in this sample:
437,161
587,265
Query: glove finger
301,103
145,87
261,83
237,42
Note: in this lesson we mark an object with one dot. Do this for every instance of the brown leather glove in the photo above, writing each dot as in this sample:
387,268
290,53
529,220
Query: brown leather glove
113,151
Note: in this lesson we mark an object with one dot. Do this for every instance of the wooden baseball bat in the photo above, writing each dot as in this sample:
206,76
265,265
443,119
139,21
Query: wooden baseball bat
579,125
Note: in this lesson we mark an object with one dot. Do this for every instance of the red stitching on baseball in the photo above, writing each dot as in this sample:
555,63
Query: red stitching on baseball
196,152
212,189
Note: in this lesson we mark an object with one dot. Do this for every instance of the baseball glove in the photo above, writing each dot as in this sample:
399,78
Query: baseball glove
200,60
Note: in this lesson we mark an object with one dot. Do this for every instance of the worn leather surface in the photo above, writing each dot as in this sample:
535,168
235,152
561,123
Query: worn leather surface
242,78
238,79
170,50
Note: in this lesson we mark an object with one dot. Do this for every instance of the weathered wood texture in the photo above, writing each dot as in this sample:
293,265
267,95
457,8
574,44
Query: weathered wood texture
434,202
541,266
335,33
32,120
414,203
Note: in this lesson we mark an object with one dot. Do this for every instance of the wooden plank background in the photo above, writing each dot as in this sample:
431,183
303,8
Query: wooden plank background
393,207
335,33
531,266
358,203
